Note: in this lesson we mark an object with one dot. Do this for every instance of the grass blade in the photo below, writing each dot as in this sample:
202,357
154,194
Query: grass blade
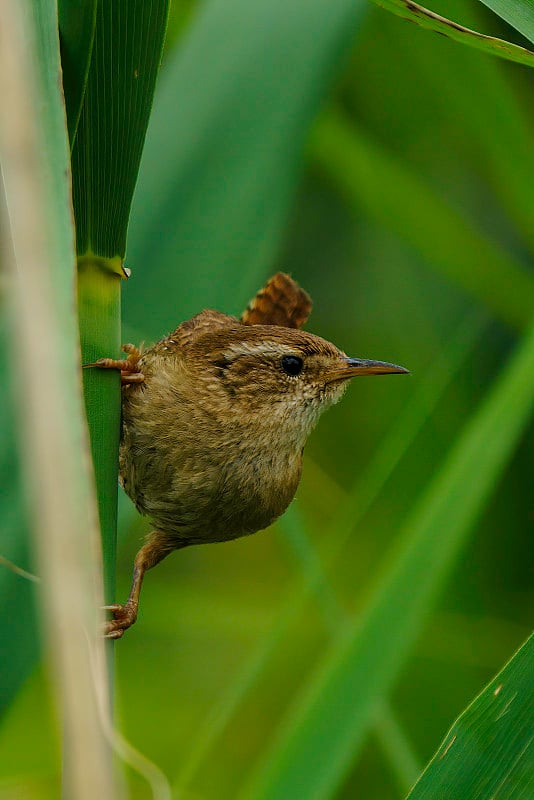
395,746
488,751
118,98
518,13
324,731
407,9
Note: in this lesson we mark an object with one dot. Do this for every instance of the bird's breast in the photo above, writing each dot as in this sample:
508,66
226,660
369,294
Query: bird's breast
249,489
198,478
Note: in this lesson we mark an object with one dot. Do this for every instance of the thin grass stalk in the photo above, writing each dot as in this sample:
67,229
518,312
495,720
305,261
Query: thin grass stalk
389,734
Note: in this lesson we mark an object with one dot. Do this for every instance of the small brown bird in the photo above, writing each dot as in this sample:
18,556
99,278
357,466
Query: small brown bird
215,417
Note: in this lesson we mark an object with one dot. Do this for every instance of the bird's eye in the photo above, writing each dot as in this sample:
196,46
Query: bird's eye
292,365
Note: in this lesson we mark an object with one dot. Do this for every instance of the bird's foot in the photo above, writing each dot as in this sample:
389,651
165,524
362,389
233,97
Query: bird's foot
124,617
129,367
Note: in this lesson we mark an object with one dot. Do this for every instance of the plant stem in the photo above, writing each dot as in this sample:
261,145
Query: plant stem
99,320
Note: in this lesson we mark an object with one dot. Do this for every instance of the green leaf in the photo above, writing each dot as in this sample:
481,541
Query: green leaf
127,48
488,751
408,9
77,21
371,178
324,731
518,13
223,156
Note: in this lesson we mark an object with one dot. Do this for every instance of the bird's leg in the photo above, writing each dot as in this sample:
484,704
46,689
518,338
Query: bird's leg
129,367
152,552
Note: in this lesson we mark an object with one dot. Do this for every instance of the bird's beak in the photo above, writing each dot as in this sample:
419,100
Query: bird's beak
352,367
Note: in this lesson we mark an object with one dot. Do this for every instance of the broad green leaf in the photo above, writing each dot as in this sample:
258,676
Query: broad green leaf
488,751
426,18
126,55
324,731
223,155
375,181
518,13
77,20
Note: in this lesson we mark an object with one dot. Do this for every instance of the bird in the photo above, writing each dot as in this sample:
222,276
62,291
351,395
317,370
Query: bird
214,421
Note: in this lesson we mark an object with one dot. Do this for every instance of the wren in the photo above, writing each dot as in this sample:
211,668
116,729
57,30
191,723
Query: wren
215,417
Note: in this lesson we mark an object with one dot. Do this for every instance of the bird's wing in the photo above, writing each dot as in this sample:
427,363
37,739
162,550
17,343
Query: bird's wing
280,302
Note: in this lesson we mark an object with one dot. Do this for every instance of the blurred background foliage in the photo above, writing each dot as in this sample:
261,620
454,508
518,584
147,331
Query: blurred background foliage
390,171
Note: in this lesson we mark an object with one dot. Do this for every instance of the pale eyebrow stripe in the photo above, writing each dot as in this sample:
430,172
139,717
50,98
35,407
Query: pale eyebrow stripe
260,349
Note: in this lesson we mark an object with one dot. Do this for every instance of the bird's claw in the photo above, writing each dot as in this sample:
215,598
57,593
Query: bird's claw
124,617
129,367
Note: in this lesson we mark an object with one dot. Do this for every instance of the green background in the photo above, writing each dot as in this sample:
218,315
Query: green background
390,171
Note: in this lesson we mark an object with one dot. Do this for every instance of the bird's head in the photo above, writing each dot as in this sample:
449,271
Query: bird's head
276,377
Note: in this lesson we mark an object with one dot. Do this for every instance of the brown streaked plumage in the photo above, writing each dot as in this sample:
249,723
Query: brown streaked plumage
215,417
